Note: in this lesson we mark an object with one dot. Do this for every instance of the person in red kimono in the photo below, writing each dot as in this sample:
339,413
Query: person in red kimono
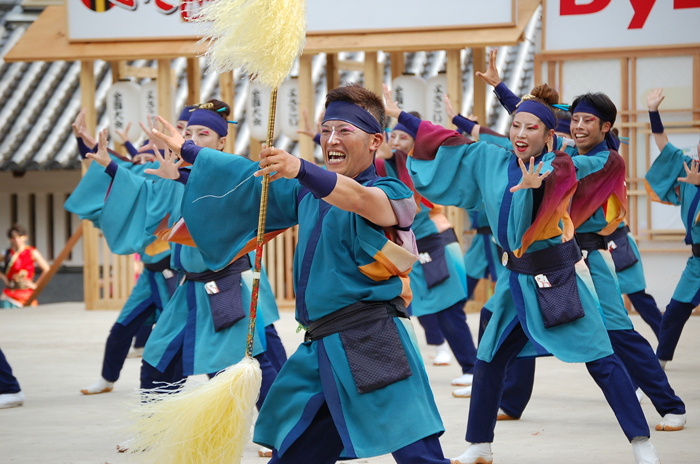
18,273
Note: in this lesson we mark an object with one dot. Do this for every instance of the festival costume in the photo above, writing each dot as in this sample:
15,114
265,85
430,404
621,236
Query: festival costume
438,278
10,394
532,227
349,279
19,266
663,186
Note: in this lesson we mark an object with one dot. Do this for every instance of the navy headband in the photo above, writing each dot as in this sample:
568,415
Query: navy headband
538,109
186,113
584,107
209,119
353,114
563,125
401,127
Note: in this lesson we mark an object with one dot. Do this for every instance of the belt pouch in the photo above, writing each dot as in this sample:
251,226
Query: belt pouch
225,300
619,246
432,256
559,302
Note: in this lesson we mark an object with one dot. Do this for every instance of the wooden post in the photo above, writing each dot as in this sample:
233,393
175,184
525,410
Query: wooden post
538,69
371,72
552,74
165,89
398,64
454,90
228,95
479,59
254,149
194,81
332,74
306,100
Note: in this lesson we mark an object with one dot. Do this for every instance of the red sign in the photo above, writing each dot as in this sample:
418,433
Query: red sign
642,9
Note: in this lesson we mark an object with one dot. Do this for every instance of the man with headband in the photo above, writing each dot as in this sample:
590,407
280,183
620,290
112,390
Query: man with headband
357,386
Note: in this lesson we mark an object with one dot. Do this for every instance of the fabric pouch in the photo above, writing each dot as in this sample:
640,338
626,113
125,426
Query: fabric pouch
171,281
622,253
557,294
375,354
225,300
432,257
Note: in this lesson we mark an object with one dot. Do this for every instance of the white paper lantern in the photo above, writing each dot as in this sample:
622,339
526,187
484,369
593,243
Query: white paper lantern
258,112
434,100
409,93
123,108
148,102
288,108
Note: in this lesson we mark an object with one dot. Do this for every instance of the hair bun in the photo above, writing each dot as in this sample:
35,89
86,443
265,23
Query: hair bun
546,93
218,107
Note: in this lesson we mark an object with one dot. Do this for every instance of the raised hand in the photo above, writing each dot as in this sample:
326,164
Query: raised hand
124,134
392,109
692,174
80,129
169,165
79,121
654,99
491,76
101,157
280,162
531,177
174,141
451,113
307,125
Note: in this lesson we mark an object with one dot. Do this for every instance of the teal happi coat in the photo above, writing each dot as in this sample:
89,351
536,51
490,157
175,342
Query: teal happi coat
448,169
662,182
483,256
340,259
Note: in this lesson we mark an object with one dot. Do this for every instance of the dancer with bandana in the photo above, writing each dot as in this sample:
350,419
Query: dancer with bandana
674,179
355,250
533,311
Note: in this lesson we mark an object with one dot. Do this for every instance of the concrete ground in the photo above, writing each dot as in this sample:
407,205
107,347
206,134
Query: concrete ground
57,349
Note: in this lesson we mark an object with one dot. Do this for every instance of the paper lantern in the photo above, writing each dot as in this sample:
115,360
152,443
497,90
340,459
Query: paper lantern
409,93
288,108
434,100
258,112
123,108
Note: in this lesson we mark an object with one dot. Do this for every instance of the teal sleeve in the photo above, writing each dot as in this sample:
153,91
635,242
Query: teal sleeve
664,173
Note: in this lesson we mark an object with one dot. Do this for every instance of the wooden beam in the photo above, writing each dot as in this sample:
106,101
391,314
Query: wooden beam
140,72
87,93
398,64
306,100
90,262
479,59
228,94
165,89
332,71
454,79
370,72
194,81
538,70
552,74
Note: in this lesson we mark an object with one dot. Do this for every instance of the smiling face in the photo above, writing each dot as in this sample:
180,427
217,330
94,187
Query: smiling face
528,135
401,140
347,149
204,137
588,132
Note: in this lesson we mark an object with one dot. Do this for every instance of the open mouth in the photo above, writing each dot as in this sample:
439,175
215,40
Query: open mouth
521,146
335,157
580,136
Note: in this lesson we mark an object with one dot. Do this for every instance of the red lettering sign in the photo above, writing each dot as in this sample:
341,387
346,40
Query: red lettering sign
642,8
680,4
569,7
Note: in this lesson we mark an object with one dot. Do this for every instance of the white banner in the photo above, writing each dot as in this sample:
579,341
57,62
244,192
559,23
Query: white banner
115,20
601,24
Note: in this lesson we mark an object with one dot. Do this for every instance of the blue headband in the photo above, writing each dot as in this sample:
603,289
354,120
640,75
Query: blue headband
583,107
186,113
401,127
209,119
538,109
563,125
353,114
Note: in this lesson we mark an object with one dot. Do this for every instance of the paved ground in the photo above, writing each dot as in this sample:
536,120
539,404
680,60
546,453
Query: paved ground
57,349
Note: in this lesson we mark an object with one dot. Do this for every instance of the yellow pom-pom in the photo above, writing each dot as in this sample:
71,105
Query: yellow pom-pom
263,37
209,423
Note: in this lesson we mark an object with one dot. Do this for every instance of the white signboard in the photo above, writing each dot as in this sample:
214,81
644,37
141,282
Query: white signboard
600,24
112,20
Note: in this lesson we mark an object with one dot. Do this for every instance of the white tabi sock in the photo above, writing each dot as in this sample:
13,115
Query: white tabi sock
477,453
644,451
101,386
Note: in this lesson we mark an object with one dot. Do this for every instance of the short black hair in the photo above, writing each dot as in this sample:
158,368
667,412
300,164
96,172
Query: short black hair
601,103
18,229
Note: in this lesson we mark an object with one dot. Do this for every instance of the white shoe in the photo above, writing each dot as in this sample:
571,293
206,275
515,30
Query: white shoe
264,452
463,380
101,386
640,394
11,400
503,416
672,423
135,353
477,453
465,392
443,357
644,451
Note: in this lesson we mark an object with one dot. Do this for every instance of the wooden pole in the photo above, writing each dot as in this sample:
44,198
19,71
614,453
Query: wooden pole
48,275
228,94
332,72
194,81
552,74
165,89
398,64
306,99
90,253
479,59
371,72
454,80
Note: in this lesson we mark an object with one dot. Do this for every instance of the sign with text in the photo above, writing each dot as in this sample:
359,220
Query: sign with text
605,24
124,20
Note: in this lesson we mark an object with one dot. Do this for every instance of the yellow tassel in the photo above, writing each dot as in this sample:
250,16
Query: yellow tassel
209,423
264,37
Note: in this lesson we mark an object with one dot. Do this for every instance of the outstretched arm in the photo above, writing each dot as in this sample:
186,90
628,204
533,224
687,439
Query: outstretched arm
507,98
468,125
654,99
